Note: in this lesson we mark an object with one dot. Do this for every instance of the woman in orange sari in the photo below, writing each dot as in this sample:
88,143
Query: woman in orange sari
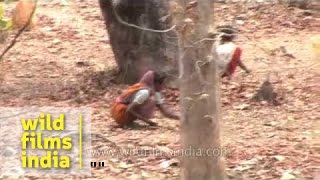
140,100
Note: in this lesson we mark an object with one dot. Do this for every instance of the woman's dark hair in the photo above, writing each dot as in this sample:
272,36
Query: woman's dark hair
159,77
227,38
228,33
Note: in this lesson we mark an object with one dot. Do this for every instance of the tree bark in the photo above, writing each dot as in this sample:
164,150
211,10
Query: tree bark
136,50
199,98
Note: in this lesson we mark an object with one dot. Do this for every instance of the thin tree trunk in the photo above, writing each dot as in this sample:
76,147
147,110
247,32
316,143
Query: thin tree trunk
199,99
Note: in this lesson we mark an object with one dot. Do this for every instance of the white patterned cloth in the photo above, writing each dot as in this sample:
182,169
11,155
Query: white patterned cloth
142,95
225,52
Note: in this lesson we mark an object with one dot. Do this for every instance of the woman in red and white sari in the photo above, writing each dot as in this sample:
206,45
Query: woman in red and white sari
229,55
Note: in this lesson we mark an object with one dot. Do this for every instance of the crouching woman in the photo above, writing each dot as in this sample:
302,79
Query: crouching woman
140,100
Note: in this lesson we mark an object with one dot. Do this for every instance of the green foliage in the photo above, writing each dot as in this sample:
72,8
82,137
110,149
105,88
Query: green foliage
5,22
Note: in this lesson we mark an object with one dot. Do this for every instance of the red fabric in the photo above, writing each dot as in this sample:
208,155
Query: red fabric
234,61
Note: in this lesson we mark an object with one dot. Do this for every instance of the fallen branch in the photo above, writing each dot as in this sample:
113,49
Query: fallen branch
13,42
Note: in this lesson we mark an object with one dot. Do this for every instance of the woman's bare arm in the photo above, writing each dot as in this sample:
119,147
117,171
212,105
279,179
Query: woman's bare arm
242,66
130,109
167,113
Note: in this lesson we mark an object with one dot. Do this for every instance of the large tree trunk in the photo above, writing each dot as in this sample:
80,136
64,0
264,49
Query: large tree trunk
136,50
199,96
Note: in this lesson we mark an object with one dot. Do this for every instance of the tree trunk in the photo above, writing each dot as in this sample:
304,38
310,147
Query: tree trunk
200,99
136,50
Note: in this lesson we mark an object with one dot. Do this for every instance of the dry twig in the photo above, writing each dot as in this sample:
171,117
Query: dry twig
13,42
139,27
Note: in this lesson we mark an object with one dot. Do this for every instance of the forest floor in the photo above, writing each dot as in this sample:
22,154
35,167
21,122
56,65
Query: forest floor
67,61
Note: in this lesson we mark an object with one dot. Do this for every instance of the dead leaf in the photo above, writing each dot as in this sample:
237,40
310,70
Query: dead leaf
241,106
124,165
145,174
114,160
272,123
168,163
252,161
290,88
165,164
242,168
279,157
56,41
287,176
135,177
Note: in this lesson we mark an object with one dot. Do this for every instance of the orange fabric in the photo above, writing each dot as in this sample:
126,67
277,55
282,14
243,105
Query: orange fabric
118,113
118,110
